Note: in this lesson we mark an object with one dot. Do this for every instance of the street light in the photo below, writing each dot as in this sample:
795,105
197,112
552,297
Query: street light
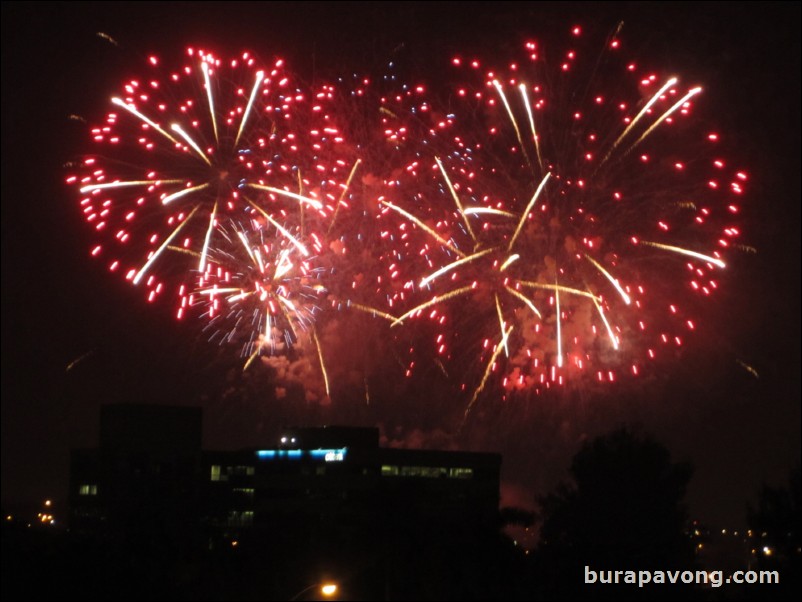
327,590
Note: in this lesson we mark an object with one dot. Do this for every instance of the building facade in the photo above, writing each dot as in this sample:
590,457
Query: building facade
325,488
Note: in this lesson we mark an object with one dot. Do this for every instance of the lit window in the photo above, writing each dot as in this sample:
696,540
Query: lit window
433,472
244,491
240,470
328,455
240,518
389,471
461,473
216,476
335,455
87,490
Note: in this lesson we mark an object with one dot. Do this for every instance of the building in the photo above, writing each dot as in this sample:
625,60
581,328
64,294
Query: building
326,488
336,485
143,483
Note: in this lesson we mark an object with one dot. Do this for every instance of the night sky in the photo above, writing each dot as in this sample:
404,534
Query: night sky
59,306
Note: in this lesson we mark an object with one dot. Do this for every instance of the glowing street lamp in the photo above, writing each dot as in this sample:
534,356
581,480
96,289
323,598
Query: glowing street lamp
327,590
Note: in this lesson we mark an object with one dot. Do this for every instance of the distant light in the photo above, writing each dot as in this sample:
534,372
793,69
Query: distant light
48,503
767,551
269,454
328,589
329,455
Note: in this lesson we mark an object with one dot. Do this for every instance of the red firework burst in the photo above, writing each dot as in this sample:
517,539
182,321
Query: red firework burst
563,220
187,150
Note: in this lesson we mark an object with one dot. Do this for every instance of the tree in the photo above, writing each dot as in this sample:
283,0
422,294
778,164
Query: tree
623,511
776,525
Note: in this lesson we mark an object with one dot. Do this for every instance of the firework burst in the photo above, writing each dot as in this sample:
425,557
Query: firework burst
559,222
564,222
261,285
189,153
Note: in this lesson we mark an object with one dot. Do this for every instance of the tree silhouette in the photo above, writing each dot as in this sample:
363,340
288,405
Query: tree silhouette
623,511
776,525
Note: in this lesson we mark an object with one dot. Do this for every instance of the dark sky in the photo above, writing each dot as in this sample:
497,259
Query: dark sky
58,306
